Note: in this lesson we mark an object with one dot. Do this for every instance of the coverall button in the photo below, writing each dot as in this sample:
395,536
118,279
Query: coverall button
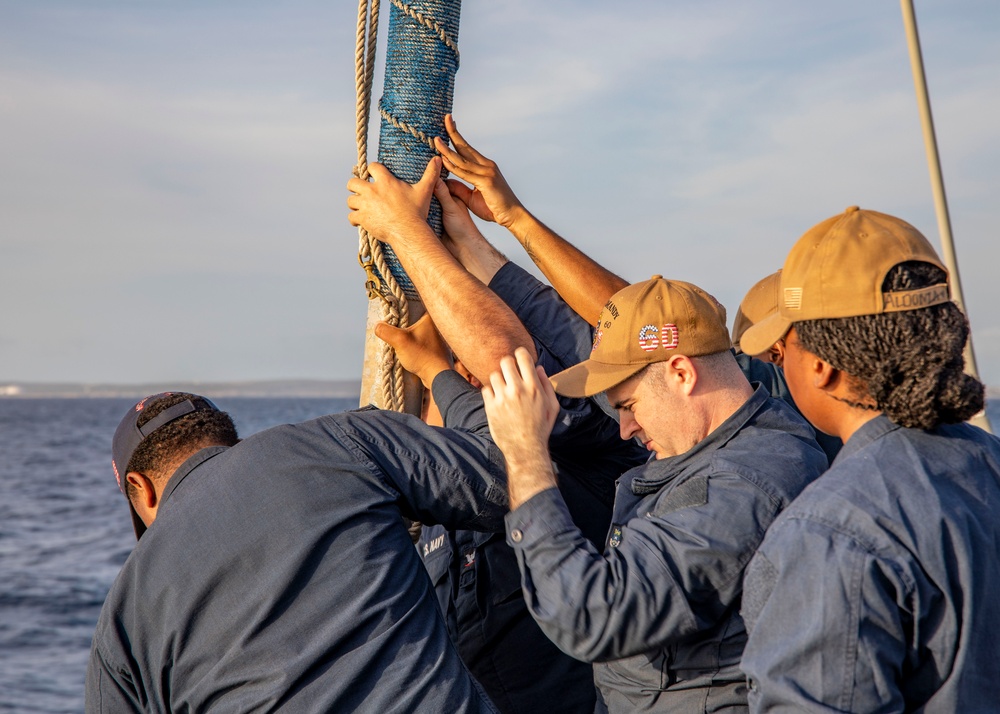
516,535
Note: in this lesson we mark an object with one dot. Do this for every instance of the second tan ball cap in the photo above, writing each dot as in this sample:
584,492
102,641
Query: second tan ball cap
760,302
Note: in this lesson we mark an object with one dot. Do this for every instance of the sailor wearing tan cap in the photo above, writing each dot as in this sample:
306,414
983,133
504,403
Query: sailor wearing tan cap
876,590
760,302
658,611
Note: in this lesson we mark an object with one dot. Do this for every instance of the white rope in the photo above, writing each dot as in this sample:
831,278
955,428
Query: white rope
382,285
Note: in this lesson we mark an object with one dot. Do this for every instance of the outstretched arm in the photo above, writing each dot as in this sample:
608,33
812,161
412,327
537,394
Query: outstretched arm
584,284
477,325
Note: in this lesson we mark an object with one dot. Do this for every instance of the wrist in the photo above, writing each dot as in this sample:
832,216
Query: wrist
527,477
407,235
519,221
428,374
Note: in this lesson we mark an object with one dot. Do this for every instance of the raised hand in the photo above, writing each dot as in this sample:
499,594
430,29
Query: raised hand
388,208
458,225
490,197
420,348
521,408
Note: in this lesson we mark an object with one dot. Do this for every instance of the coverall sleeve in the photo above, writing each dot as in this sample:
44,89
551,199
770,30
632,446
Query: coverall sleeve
446,476
106,690
550,321
674,570
824,618
581,427
461,404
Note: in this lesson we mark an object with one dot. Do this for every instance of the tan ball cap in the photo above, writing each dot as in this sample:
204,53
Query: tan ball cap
645,323
837,268
760,302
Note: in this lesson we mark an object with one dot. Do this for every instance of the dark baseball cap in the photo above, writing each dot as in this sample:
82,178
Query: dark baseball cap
129,435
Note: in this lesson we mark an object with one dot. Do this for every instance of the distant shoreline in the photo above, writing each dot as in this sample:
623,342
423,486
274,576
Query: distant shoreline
302,388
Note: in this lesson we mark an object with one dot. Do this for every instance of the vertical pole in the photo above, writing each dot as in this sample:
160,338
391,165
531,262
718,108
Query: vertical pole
937,183
421,62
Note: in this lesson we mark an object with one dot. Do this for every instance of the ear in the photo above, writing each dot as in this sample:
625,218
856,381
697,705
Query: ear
682,372
825,376
776,355
145,499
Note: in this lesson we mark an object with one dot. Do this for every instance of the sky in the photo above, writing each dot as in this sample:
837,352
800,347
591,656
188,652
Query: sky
172,174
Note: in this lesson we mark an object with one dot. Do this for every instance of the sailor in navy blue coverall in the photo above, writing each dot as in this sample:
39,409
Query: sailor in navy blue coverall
476,575
278,574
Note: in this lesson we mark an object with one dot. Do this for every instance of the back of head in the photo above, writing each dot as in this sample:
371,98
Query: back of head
182,435
910,363
868,294
159,431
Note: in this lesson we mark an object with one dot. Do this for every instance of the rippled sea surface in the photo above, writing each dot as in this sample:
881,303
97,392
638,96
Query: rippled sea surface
65,532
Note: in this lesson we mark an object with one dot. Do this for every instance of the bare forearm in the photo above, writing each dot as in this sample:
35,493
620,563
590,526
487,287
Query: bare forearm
478,256
585,285
477,325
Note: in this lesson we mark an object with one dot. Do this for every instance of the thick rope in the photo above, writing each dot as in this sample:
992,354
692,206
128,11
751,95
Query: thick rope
431,25
380,281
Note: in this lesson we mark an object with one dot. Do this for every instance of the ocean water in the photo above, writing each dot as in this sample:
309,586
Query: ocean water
65,532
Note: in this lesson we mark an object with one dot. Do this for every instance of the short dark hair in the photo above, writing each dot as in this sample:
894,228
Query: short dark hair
190,431
910,362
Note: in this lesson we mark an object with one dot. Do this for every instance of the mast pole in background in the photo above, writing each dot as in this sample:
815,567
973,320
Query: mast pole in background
937,184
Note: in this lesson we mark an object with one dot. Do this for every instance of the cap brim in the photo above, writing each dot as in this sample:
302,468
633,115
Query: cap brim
591,377
137,525
760,337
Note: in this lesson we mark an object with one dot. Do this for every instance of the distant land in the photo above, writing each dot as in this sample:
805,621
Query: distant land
319,388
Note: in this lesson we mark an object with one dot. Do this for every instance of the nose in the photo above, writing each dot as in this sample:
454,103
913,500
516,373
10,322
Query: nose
627,425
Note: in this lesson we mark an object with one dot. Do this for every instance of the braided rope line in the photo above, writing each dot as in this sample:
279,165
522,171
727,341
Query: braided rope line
411,130
430,24
395,309
364,62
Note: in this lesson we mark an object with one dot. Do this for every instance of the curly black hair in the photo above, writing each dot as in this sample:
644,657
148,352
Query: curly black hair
910,363
189,432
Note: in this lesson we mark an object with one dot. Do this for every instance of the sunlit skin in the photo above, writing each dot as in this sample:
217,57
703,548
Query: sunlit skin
672,405
146,500
822,392
646,412
521,408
